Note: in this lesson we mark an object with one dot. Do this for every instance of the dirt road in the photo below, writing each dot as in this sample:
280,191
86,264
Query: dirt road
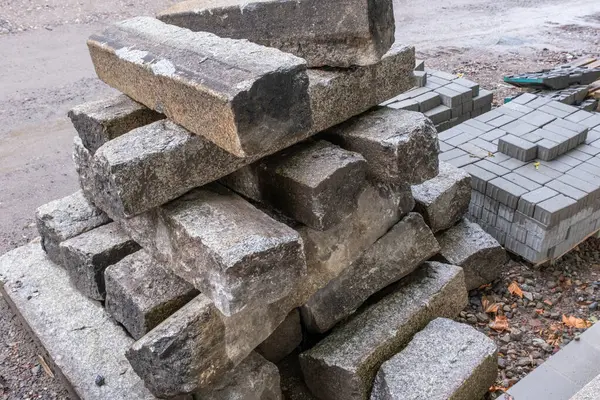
45,70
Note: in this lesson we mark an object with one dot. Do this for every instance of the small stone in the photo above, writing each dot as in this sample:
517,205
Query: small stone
551,285
471,319
516,334
35,371
507,309
522,362
593,306
501,362
505,338
99,381
482,317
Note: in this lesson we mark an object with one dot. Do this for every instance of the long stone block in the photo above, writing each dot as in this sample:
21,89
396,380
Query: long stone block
141,293
400,146
284,340
315,182
446,360
239,95
206,344
406,246
86,257
344,364
337,33
65,218
101,121
232,252
154,164
477,252
445,199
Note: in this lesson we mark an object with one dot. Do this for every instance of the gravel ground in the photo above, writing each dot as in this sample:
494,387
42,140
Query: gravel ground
48,71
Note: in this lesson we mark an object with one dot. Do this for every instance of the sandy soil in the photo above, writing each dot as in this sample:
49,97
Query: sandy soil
46,70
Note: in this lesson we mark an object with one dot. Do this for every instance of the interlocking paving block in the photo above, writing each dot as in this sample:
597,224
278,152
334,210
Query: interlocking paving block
591,150
555,165
338,34
466,93
493,135
284,340
408,105
511,163
446,360
479,125
517,148
468,84
450,98
519,109
501,121
408,244
540,101
444,147
479,177
242,104
506,213
399,146
444,199
524,98
533,137
485,98
489,115
86,256
344,364
581,197
505,192
428,101
519,128
548,150
494,168
65,218
487,146
470,247
550,212
420,78
556,112
592,122
141,293
439,114
76,334
462,161
314,182
522,181
474,150
454,153
579,116
101,121
528,201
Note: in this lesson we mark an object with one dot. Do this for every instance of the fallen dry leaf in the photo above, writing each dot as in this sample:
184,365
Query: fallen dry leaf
500,324
548,302
495,388
540,311
488,306
514,289
45,366
574,322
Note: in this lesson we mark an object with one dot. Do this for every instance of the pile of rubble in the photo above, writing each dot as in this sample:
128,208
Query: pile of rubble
244,205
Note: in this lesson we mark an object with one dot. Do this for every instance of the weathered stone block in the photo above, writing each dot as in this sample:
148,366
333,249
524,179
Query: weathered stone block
207,344
228,249
86,256
444,200
65,218
408,244
315,183
284,340
241,96
337,33
446,360
254,379
477,252
141,293
344,364
101,121
157,163
400,146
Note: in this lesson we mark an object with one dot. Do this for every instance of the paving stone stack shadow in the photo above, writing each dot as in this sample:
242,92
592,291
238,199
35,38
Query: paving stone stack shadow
247,203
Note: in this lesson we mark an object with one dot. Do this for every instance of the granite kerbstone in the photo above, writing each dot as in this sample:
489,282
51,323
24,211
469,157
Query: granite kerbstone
65,218
344,364
399,146
227,248
340,33
243,104
87,255
446,360
315,182
470,247
101,121
406,246
284,340
141,293
444,199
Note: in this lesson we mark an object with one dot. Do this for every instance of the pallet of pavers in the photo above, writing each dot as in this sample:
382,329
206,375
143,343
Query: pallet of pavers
535,168
251,225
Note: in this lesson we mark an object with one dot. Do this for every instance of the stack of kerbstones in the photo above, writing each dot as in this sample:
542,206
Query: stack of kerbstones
213,226
535,167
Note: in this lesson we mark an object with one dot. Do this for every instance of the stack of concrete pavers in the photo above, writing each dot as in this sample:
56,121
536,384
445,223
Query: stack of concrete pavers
238,202
446,99
557,78
539,206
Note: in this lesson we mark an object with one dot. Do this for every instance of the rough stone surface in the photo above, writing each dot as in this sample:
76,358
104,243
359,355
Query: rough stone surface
315,182
77,334
408,244
101,121
141,293
344,364
239,95
65,218
227,248
86,256
292,382
284,340
477,252
152,165
445,199
337,33
204,344
400,146
254,379
445,361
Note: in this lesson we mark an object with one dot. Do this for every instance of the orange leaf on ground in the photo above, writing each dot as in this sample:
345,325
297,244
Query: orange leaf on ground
548,302
500,323
488,306
497,389
514,288
574,322
540,311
